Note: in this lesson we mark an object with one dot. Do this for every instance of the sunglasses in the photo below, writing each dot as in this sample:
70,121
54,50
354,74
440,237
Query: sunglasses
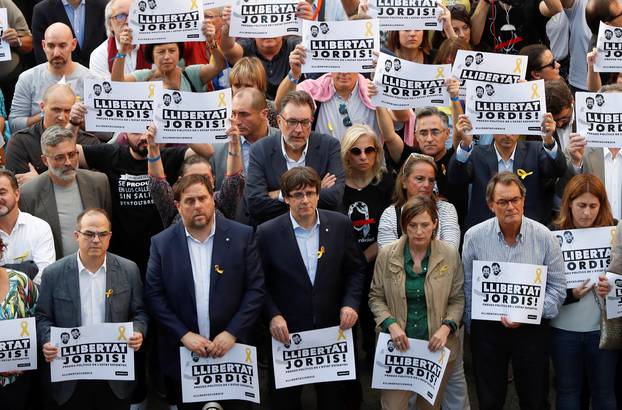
552,64
343,110
356,151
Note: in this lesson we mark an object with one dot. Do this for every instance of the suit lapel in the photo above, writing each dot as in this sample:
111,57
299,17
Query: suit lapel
220,254
279,167
493,164
596,158
72,285
519,157
111,283
88,200
185,266
49,201
312,159
325,246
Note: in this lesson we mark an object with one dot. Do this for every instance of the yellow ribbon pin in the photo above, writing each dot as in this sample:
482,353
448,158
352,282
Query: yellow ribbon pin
613,236
193,5
121,333
330,126
440,73
538,276
320,253
151,91
441,359
522,174
534,91
221,100
24,326
444,169
369,32
218,269
248,356
108,293
341,335
23,257
444,268
518,69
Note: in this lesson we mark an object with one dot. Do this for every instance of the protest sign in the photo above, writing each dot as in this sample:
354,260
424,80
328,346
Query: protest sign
231,377
609,49
515,290
264,18
186,117
586,253
506,108
18,345
96,352
340,46
394,15
119,106
599,118
5,47
402,84
417,369
315,356
613,302
488,67
166,21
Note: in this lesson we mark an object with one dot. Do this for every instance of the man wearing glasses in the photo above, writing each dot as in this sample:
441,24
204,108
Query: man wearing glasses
62,192
297,146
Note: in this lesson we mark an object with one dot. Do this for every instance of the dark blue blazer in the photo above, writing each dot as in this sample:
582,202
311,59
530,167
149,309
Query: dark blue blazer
338,281
530,157
236,291
267,164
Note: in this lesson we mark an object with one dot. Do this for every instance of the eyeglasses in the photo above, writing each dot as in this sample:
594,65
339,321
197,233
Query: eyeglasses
293,123
343,110
121,17
356,151
90,235
434,131
71,155
552,64
299,196
504,203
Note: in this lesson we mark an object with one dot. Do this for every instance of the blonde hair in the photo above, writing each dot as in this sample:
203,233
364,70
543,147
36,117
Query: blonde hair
399,195
352,135
249,68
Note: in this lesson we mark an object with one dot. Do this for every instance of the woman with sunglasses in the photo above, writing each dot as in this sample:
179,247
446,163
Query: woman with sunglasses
575,332
541,63
367,193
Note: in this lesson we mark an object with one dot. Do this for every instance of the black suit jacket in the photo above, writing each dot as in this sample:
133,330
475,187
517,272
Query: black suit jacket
338,280
236,292
267,164
482,165
52,11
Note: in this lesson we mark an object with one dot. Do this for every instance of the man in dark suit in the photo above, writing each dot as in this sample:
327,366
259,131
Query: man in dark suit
73,293
270,157
533,162
204,285
86,22
314,274
63,191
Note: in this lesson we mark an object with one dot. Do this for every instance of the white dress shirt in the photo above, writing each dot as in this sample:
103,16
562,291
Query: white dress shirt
292,163
92,293
613,181
201,260
98,62
308,241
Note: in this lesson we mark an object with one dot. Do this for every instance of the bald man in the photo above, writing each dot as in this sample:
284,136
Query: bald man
23,152
31,85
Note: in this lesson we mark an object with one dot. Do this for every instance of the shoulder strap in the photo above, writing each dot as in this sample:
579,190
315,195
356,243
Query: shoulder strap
183,72
398,218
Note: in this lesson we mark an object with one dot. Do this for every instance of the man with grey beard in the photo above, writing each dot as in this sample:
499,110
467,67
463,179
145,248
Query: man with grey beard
61,193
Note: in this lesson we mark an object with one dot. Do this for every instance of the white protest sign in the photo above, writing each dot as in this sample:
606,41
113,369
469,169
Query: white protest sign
586,253
314,356
186,117
340,46
599,118
119,106
5,47
403,84
609,49
211,4
506,108
417,369
231,377
18,345
488,67
264,18
394,15
96,352
613,302
515,290
166,21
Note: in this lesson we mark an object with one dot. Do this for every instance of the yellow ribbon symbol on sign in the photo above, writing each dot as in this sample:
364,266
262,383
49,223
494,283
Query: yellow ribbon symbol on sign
24,326
122,333
522,174
613,236
442,357
221,100
534,91
538,276
151,91
248,356
369,29
440,73
193,5
341,335
517,69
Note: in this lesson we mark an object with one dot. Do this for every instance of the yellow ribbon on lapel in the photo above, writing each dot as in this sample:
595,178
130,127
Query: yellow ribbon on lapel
522,174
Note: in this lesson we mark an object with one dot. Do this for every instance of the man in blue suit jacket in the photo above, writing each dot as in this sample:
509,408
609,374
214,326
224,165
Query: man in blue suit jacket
314,274
204,284
297,146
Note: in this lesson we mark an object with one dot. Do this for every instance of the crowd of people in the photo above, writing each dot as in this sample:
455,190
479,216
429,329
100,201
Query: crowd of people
320,210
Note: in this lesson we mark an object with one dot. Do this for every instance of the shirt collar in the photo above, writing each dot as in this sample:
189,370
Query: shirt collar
353,93
21,219
608,155
211,234
302,157
296,225
519,237
499,158
66,3
81,266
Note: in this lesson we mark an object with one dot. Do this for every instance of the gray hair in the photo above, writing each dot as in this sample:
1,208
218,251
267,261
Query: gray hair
503,178
54,135
432,112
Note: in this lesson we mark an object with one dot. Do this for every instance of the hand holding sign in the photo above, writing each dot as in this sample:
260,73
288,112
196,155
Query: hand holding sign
399,338
348,317
196,343
136,341
221,344
604,287
297,59
10,36
548,128
126,40
278,329
576,148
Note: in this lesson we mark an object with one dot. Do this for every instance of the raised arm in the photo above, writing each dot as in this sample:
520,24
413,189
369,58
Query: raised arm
231,49
118,66
478,21
296,59
211,70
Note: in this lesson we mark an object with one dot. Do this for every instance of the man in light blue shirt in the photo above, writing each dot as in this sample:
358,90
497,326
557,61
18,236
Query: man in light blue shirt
75,10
